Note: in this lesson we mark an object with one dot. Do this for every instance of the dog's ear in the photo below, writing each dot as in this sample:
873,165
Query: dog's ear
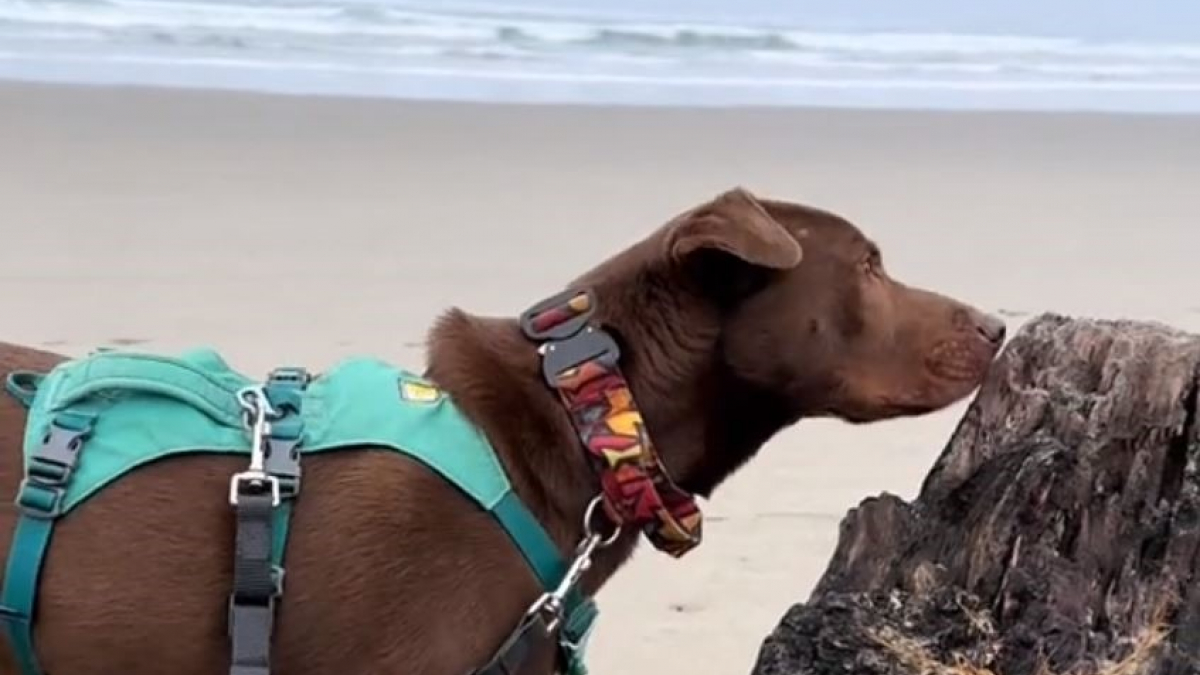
736,224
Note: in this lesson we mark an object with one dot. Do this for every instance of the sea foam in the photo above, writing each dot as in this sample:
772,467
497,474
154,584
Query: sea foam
380,48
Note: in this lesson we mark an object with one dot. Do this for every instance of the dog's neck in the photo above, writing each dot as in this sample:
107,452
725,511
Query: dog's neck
703,423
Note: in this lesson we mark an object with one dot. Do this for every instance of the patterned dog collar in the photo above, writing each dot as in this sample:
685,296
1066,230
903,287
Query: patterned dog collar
581,362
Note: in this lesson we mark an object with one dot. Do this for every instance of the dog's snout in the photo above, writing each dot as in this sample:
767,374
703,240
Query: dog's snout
991,328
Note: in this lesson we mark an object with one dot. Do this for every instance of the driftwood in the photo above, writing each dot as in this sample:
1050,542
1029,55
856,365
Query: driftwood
1059,531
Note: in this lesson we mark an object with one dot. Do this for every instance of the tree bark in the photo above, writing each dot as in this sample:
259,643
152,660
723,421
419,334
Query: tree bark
1058,531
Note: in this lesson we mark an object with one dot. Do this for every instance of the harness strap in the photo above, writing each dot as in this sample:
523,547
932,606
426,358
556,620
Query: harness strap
535,632
580,612
39,501
517,647
550,567
262,510
581,363
285,390
151,374
22,385
252,605
261,524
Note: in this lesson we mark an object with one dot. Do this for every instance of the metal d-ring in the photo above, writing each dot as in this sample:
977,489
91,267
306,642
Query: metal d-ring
589,531
551,603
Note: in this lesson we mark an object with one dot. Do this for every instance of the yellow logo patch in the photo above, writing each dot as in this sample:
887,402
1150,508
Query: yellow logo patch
419,392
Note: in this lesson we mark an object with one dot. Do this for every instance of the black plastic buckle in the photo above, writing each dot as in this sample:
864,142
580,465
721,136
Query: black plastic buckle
589,345
562,330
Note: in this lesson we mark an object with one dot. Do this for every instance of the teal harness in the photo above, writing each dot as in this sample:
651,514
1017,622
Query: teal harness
93,420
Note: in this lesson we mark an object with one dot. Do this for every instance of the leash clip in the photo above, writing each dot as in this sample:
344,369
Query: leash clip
551,603
256,418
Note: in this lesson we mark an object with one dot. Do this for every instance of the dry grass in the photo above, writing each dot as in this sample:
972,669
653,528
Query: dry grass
916,656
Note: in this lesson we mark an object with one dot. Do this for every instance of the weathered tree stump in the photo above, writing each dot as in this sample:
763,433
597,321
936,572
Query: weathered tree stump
1059,531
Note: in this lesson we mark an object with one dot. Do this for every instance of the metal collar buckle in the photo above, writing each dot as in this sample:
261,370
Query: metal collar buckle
560,325
590,344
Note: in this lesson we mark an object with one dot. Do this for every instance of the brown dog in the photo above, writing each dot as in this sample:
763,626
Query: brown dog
735,319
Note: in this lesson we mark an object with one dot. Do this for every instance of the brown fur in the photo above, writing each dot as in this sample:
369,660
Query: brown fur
736,319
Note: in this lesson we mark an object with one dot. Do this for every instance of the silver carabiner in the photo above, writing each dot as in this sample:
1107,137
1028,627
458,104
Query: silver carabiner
551,602
258,411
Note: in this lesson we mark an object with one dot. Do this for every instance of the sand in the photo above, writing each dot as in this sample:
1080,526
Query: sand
286,229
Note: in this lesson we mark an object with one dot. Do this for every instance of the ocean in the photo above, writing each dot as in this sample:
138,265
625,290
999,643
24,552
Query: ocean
1103,55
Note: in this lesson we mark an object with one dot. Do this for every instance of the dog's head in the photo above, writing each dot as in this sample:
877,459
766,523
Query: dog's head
819,319
770,311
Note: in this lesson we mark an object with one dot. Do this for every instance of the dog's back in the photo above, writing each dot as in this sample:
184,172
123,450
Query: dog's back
137,579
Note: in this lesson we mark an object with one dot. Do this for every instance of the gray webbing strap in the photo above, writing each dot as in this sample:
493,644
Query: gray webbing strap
261,499
252,605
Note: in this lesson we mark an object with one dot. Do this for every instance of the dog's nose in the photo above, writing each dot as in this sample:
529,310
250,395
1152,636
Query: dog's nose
991,328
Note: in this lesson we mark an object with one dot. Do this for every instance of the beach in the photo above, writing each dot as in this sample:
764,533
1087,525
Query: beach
299,230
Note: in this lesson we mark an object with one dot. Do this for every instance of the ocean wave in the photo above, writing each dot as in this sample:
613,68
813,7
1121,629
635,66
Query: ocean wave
374,19
692,81
361,35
